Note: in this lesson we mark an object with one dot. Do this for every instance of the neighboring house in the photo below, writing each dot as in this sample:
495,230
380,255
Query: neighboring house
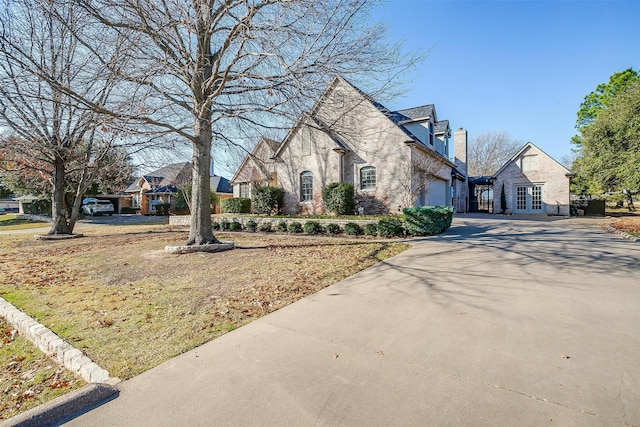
257,169
394,159
161,187
533,183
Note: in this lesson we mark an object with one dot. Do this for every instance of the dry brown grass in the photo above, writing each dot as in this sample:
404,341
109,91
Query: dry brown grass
629,224
117,296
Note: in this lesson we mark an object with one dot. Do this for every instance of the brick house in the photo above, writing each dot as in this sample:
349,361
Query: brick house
161,186
534,183
394,159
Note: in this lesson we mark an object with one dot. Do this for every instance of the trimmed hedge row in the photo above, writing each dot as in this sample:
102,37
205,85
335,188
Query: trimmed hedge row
420,221
427,220
236,205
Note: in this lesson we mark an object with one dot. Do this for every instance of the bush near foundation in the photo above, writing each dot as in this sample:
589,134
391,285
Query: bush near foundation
352,229
390,227
265,227
427,220
371,230
294,227
338,197
333,229
252,226
312,227
235,205
267,200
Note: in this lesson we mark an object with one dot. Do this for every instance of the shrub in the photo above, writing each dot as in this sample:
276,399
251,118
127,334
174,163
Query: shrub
371,230
224,225
312,227
333,229
215,225
267,200
294,227
390,227
282,227
339,198
252,226
235,205
235,226
162,209
265,227
353,229
129,210
426,220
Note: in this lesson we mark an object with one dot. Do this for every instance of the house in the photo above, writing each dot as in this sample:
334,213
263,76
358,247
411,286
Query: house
394,159
161,187
534,183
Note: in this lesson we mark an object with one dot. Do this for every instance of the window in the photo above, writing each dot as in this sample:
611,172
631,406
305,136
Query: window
536,198
306,186
367,178
244,190
529,163
306,141
135,200
521,198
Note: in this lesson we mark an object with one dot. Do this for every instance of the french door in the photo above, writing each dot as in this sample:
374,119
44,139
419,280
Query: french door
528,199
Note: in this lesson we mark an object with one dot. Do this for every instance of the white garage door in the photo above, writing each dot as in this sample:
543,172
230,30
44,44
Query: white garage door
438,193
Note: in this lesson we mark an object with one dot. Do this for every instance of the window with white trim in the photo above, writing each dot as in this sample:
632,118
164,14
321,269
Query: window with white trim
306,186
368,178
244,190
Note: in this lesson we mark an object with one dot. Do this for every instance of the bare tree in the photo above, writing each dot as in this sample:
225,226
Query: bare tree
212,70
489,151
54,137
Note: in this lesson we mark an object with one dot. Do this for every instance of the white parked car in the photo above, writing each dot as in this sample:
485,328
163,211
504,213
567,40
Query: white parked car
92,207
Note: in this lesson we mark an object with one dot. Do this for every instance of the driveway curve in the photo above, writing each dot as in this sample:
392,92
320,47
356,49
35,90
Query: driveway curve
499,321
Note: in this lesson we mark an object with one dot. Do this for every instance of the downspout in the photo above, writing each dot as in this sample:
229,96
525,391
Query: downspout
341,152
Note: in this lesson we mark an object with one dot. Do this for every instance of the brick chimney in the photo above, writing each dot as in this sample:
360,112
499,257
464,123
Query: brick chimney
460,150
460,159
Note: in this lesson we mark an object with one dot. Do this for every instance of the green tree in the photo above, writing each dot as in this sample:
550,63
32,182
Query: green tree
611,145
601,98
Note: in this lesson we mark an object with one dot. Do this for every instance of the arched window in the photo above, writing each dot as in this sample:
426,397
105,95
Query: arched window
306,186
367,178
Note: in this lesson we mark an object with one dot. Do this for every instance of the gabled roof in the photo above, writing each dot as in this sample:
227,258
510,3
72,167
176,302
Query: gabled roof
220,185
396,117
273,147
164,176
416,113
441,127
524,148
319,124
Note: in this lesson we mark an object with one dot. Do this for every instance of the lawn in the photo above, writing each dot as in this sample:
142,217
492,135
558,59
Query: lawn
117,296
10,222
28,378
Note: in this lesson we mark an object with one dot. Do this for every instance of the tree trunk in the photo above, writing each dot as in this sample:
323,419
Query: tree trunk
201,232
59,224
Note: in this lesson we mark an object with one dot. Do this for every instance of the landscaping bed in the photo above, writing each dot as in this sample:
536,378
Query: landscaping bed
628,224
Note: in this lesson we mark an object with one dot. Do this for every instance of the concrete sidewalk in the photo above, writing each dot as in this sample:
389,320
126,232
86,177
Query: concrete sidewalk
497,322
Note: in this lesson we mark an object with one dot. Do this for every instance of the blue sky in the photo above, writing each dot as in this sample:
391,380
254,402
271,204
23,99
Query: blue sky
519,66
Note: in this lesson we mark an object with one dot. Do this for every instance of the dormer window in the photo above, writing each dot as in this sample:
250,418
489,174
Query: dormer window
430,134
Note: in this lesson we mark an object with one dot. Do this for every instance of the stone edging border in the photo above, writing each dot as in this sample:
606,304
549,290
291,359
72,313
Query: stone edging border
54,346
611,229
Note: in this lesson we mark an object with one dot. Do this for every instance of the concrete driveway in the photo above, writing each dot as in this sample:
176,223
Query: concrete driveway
495,323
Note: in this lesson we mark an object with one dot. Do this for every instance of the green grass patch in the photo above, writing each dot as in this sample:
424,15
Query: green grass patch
10,222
